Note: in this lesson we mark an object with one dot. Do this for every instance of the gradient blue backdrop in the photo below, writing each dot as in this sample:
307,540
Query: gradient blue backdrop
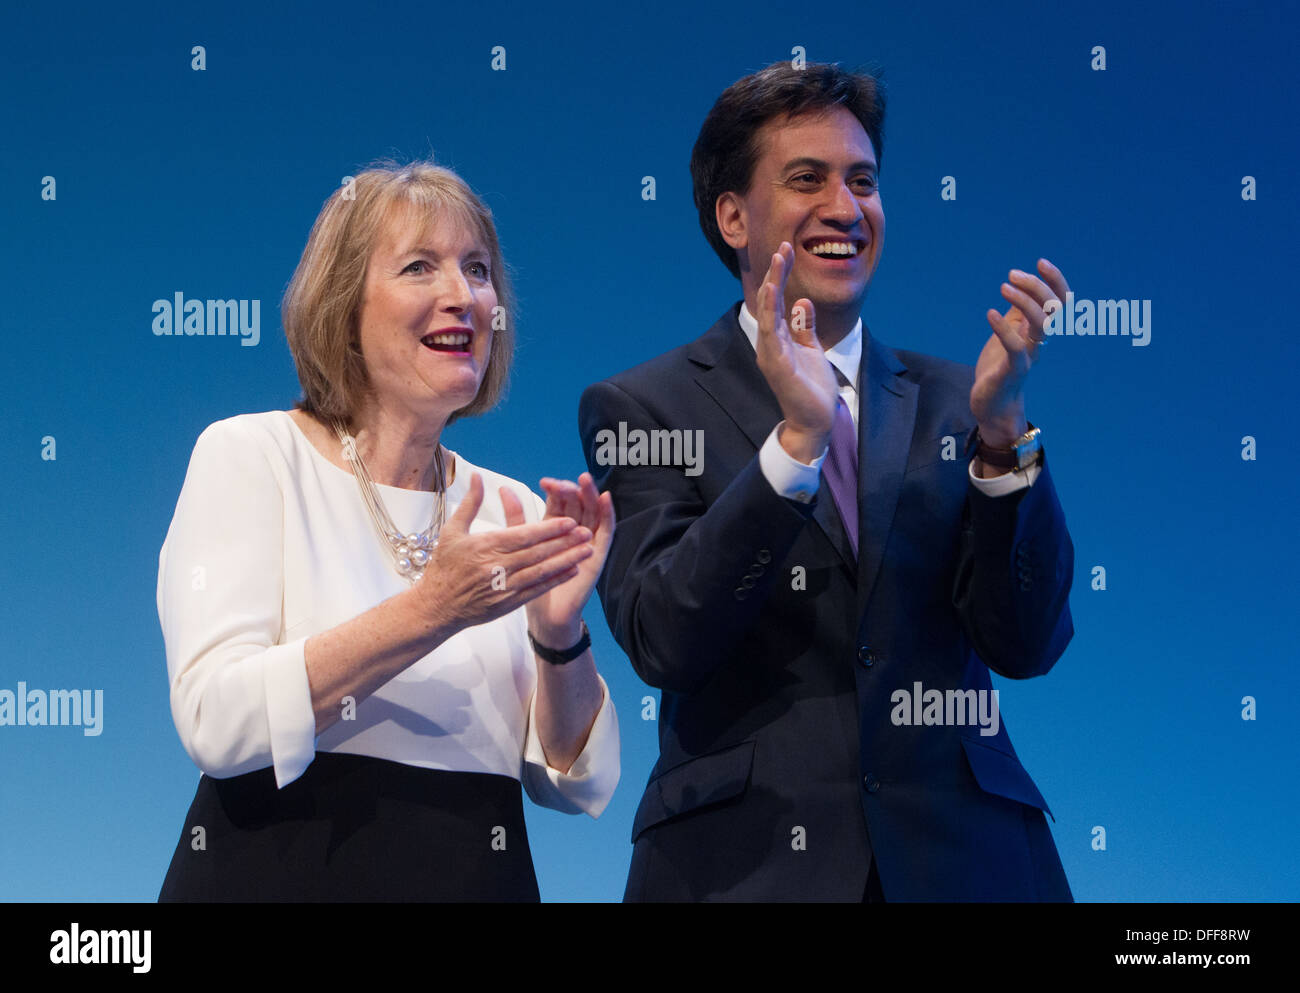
1129,179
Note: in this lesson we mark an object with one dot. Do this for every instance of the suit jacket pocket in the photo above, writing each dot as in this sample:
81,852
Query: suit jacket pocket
1001,773
696,783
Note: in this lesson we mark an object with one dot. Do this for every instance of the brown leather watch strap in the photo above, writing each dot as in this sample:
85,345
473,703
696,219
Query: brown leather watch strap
1008,458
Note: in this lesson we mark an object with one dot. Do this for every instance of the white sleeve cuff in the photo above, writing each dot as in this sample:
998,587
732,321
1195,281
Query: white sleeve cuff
1008,482
289,714
589,784
788,476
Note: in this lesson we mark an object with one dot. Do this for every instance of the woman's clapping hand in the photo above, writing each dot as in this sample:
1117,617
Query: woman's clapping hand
475,578
554,616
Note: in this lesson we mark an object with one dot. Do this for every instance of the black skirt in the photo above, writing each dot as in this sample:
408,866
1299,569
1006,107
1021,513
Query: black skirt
355,829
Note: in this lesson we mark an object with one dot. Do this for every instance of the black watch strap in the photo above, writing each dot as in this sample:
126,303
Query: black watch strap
557,657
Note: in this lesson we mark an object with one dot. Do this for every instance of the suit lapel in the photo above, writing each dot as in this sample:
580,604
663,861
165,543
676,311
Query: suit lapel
886,419
887,416
827,517
732,378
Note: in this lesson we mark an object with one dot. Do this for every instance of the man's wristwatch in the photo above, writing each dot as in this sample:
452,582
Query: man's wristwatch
558,657
1025,451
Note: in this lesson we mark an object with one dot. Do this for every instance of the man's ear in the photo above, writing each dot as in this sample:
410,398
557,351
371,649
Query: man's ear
729,211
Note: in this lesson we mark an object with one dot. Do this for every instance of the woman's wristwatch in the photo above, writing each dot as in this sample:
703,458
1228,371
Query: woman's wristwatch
1024,452
557,657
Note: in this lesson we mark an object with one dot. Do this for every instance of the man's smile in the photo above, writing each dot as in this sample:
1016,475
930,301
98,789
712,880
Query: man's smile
834,248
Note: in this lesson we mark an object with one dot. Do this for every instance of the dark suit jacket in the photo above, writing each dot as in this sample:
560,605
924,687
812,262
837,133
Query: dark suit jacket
780,770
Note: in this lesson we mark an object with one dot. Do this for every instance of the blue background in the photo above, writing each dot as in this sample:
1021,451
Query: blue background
1129,179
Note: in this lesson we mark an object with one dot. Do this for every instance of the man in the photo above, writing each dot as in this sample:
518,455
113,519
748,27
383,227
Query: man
867,529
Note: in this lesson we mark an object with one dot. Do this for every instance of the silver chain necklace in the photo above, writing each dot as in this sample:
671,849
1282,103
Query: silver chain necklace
410,552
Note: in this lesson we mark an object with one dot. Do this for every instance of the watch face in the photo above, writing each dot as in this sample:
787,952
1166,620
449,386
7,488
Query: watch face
1028,449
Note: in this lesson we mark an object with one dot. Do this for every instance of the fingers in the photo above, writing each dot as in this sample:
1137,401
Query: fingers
1036,295
523,594
579,500
1010,337
526,579
511,505
803,323
766,321
460,521
782,263
1055,278
588,502
771,294
1028,305
539,551
513,539
562,499
605,531
1032,285
594,510
775,278
592,513
1032,300
524,560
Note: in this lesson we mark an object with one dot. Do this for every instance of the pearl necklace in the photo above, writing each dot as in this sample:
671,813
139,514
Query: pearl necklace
409,551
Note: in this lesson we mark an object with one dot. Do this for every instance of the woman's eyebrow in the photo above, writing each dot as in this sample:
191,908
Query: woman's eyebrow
426,250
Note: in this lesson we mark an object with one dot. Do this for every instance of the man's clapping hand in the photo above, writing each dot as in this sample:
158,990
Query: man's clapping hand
997,399
794,364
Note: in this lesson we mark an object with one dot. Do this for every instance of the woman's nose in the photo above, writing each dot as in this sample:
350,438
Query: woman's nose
454,293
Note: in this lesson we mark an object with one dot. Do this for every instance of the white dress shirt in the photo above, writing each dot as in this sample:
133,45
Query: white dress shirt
270,544
796,480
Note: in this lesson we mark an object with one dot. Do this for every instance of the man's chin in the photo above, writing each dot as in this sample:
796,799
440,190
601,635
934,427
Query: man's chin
837,303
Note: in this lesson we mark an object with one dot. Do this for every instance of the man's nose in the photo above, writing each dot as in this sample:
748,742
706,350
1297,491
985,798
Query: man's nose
843,206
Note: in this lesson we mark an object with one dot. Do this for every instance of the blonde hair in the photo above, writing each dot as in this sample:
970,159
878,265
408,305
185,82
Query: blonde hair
321,308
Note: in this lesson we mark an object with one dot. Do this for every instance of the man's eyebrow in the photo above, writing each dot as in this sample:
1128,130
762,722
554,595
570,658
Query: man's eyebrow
807,162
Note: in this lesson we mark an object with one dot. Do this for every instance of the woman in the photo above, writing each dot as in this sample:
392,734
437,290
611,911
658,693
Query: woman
371,641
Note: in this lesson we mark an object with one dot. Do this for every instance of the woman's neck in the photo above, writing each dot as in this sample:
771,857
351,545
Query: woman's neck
398,447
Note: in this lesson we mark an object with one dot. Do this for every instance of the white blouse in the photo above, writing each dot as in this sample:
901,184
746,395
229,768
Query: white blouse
270,544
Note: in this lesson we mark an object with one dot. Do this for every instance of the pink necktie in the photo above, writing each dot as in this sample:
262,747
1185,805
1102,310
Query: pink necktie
841,469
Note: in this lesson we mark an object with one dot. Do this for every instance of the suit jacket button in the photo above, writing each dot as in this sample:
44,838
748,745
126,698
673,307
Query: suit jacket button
741,593
871,783
867,656
764,556
747,582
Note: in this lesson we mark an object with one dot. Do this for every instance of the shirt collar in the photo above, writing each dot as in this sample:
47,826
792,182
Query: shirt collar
846,355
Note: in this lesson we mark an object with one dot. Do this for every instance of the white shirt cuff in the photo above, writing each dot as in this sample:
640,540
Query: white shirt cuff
289,714
1008,482
589,784
788,476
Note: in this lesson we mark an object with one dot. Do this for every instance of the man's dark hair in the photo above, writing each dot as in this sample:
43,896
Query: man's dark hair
726,150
